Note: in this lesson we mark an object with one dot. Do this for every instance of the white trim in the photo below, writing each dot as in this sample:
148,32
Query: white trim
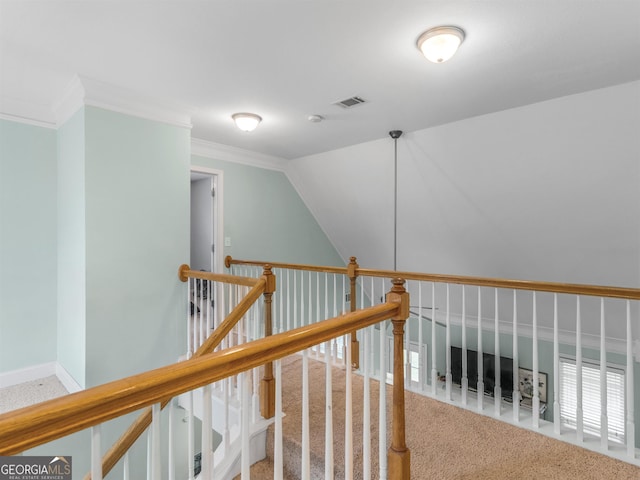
67,380
34,372
70,102
83,91
218,213
227,153
26,112
27,374
27,121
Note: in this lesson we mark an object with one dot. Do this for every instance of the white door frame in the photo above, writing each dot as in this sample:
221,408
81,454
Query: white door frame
217,210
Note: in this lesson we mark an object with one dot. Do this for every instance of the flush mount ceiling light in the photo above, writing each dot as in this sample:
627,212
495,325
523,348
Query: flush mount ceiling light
247,122
440,44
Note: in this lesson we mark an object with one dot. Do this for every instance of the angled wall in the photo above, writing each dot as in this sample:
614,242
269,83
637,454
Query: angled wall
265,219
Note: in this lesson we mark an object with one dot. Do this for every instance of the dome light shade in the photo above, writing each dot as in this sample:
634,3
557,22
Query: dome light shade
441,43
247,122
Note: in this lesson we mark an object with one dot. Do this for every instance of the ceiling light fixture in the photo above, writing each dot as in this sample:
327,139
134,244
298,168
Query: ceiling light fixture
247,122
441,43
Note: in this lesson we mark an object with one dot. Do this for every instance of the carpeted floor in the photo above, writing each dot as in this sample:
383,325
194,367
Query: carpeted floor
30,393
446,442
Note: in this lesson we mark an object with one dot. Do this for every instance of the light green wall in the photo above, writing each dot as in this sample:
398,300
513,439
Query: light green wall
71,253
137,214
265,218
27,245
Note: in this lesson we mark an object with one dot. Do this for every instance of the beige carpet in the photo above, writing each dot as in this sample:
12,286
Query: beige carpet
446,442
30,393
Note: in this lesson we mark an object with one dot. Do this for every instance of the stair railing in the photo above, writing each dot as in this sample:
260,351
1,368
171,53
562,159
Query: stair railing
481,319
308,294
200,282
38,424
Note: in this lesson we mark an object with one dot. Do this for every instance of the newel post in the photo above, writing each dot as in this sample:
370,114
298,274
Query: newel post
398,456
352,272
268,383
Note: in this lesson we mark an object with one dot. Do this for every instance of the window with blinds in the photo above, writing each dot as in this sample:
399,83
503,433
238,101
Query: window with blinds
591,398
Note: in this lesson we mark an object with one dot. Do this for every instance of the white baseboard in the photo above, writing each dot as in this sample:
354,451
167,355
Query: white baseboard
67,380
28,374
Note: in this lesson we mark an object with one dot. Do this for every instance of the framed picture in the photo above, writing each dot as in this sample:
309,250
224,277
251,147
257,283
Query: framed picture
525,384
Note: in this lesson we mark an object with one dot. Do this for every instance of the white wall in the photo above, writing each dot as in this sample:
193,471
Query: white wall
550,191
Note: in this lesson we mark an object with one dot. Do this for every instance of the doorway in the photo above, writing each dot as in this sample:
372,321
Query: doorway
206,220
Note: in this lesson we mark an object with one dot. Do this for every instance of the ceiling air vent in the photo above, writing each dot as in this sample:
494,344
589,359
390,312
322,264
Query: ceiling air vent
350,102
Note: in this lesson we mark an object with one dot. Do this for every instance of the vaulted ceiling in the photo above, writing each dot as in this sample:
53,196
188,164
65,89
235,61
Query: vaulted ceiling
286,60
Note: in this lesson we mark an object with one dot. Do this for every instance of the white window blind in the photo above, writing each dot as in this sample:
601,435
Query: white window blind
591,398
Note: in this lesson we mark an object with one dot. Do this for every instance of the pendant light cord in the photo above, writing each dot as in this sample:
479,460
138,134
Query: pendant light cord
395,134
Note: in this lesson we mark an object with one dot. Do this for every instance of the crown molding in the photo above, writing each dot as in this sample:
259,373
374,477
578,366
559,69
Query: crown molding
26,112
218,151
83,91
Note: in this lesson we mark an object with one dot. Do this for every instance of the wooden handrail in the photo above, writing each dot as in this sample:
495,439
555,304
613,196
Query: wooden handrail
553,287
184,273
32,426
259,286
228,261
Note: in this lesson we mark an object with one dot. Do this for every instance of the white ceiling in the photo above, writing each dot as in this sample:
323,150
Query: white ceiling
289,59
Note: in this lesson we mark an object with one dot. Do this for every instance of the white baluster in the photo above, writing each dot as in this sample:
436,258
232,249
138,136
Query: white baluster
277,437
306,465
96,453
382,408
422,362
407,347
535,401
156,469
189,337
149,455
366,408
604,419
434,342
125,467
515,395
190,438
288,301
209,322
348,421
334,341
464,380
302,302
245,426
630,433
328,415
171,469
480,355
327,346
318,313
579,412
497,389
226,434
295,299
207,432
310,303
556,368
448,377
255,397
